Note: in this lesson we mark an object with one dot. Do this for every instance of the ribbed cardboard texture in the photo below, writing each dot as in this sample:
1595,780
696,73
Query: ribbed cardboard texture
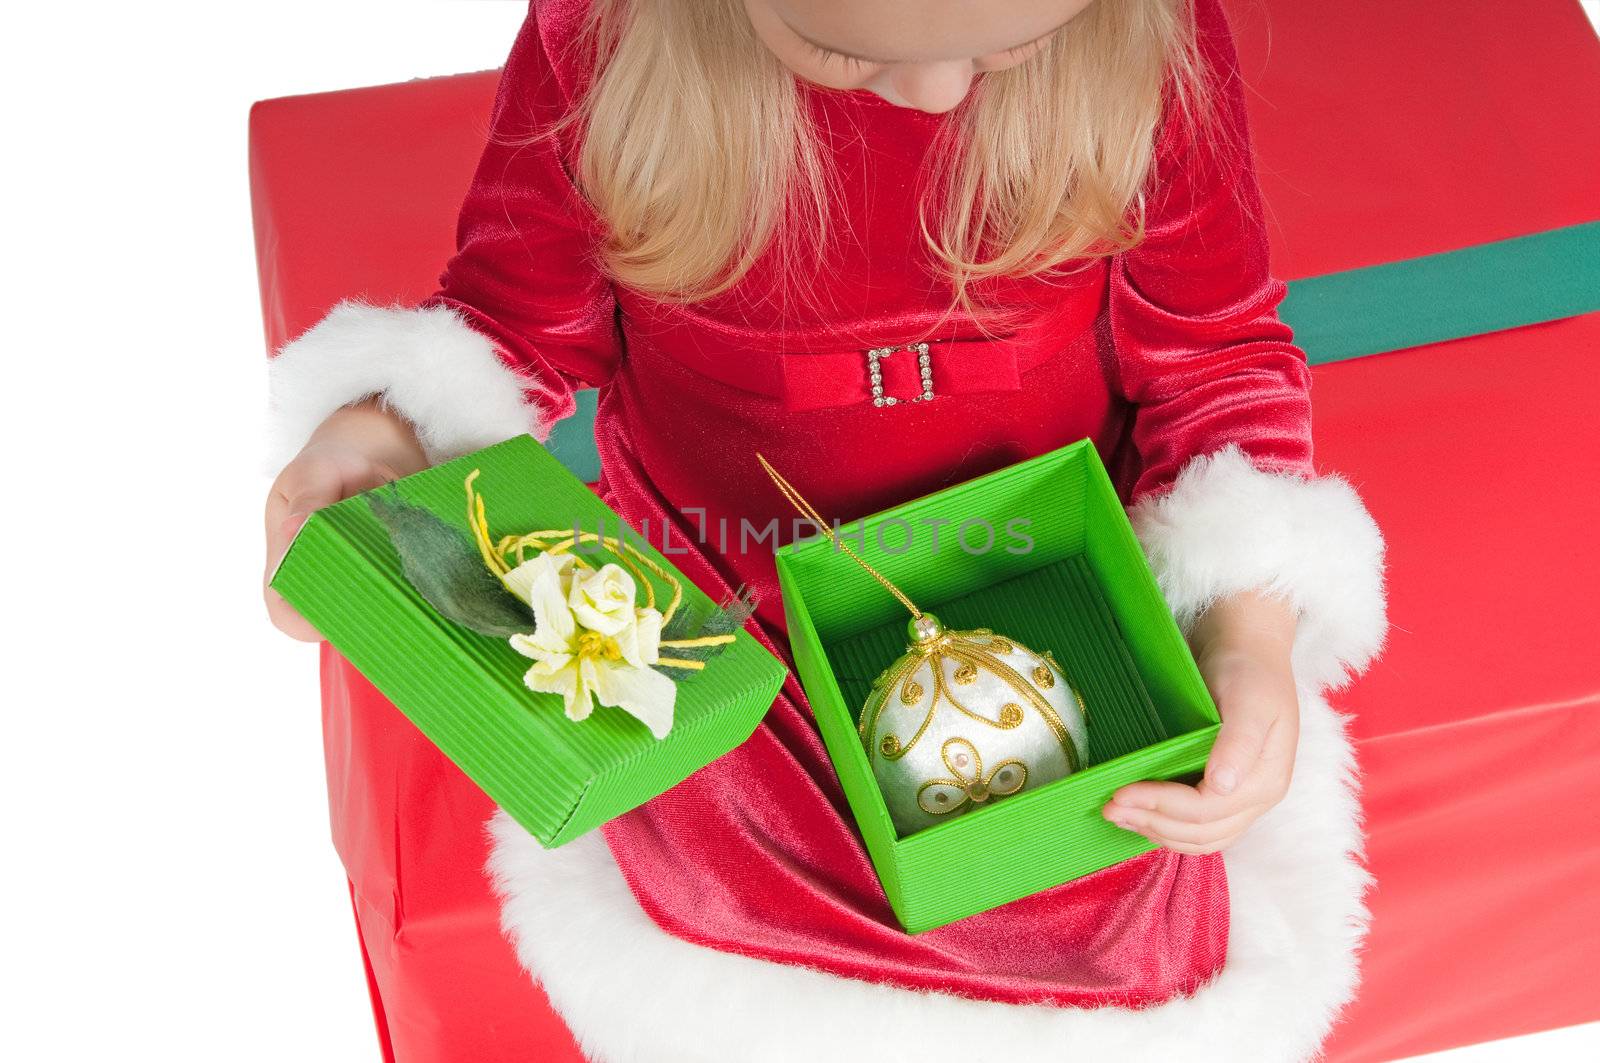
1083,591
465,692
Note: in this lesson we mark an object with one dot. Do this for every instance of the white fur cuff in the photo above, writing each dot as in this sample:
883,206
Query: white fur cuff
1226,527
429,365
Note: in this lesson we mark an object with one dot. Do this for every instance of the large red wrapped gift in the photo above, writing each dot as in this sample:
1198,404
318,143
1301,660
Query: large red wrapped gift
1385,132
1389,132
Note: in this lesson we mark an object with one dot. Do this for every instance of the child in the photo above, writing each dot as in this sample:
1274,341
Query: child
711,210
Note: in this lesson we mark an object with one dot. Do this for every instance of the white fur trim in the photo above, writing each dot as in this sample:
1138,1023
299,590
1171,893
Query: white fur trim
632,993
429,365
1226,526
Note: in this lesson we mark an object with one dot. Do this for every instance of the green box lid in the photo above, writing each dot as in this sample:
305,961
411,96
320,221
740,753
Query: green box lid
464,691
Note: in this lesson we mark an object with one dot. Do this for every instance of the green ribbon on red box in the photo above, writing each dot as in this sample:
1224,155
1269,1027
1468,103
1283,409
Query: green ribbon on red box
1416,301
1372,310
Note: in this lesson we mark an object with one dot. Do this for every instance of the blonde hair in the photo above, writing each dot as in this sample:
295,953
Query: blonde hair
696,151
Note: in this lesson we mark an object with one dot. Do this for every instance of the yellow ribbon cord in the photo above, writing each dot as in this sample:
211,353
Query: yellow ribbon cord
560,541
480,529
810,513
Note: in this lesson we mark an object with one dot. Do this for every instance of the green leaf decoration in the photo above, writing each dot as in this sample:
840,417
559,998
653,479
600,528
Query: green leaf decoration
446,569
687,621
726,619
733,612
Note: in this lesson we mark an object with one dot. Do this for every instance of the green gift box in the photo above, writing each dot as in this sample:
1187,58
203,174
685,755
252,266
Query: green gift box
1041,552
465,691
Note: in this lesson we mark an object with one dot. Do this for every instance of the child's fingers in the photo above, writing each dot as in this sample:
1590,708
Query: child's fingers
1246,725
1164,830
1168,798
1180,802
287,511
306,484
281,529
311,482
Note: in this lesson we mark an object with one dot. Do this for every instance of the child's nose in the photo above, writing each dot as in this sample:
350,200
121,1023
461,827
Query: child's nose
933,87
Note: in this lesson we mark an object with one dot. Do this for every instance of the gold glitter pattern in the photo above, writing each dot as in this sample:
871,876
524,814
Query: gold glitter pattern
969,652
1031,695
968,786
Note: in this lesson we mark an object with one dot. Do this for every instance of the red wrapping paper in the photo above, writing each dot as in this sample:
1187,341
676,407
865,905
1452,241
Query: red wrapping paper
445,984
1390,130
1384,131
1479,729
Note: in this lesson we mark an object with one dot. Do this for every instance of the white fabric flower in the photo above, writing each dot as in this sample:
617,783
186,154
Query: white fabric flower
603,600
591,641
519,581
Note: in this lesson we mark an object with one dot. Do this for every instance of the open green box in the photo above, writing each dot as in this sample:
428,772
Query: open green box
1083,591
465,690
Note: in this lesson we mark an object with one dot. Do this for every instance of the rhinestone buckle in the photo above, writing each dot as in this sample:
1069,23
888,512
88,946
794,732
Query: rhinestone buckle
875,373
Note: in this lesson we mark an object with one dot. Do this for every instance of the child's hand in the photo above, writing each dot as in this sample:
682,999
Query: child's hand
356,448
1242,645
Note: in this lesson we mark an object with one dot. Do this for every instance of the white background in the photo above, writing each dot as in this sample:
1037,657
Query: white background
170,890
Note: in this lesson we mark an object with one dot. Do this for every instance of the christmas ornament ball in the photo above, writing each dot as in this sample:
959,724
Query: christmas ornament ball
966,718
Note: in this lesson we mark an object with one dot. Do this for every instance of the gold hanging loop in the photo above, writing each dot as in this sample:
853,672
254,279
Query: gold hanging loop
810,513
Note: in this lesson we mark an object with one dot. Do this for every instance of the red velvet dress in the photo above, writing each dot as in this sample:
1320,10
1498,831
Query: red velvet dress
1161,354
